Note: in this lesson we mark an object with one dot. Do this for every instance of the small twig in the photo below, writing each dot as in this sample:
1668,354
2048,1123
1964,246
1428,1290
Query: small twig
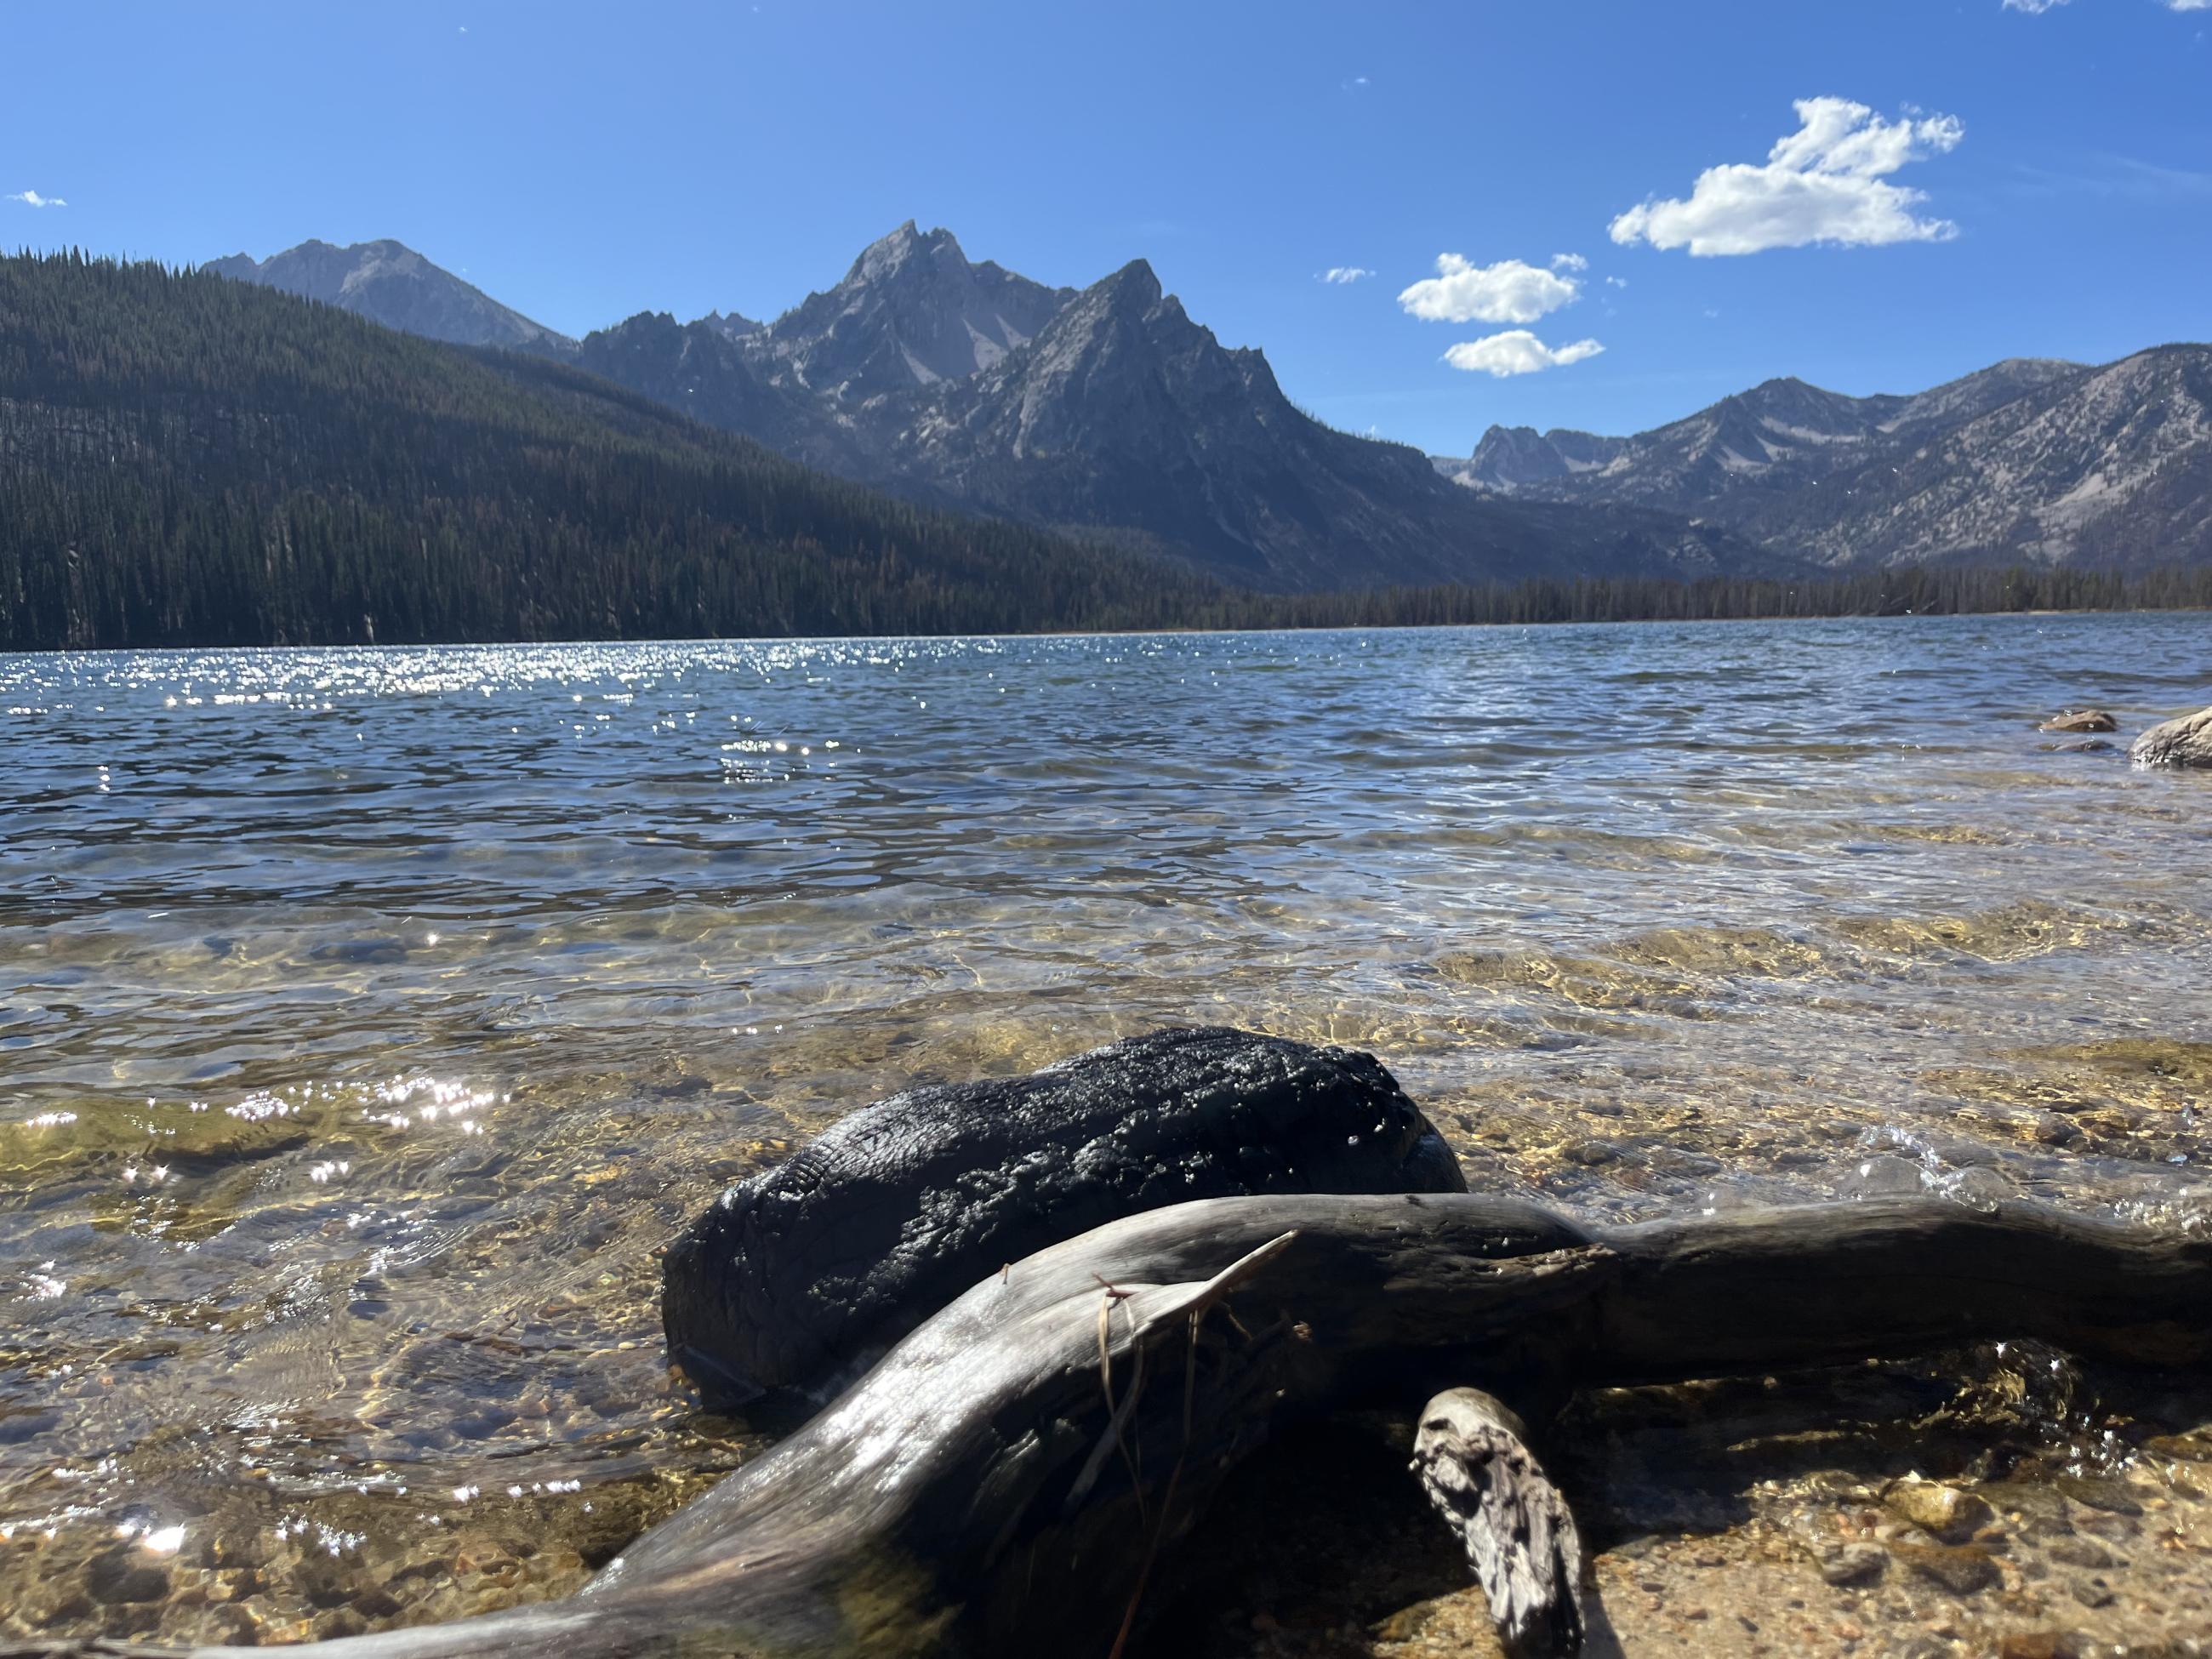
1167,1499
1197,1300
1106,1304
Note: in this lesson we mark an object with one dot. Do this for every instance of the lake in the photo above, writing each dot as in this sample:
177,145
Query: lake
371,1018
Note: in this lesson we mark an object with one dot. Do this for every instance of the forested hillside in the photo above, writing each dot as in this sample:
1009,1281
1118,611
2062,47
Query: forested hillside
188,460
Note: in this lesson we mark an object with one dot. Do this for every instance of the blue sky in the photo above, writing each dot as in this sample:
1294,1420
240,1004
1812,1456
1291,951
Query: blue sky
1980,180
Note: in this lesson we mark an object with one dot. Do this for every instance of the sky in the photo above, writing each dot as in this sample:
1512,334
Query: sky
1596,213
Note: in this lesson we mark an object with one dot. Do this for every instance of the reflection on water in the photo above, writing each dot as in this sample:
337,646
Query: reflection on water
371,1018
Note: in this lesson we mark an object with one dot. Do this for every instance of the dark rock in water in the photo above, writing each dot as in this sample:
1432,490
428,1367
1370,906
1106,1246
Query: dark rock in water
1962,1569
2081,1553
1854,1563
805,1274
357,951
120,1575
2184,741
2113,1497
2086,720
2085,746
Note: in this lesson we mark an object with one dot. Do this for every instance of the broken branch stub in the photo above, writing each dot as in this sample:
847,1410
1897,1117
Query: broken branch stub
1473,1460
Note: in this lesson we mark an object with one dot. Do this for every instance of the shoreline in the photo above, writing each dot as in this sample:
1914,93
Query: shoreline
393,647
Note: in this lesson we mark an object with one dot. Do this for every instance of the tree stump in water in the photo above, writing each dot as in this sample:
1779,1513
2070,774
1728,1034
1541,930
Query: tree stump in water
1472,1456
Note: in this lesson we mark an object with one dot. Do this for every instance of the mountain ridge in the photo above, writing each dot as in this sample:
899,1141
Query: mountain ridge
389,282
2034,459
1109,410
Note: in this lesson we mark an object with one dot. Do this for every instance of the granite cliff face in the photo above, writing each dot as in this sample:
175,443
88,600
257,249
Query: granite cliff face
389,282
2030,461
709,373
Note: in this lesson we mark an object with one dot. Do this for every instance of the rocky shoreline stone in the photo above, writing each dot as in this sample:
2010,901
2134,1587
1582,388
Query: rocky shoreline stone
2184,741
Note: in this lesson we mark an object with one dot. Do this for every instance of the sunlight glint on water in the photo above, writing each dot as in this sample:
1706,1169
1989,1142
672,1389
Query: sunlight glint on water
371,1018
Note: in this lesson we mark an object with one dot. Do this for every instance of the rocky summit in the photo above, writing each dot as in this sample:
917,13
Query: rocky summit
912,312
389,282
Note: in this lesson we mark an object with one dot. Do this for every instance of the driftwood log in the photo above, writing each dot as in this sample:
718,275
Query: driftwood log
1001,1483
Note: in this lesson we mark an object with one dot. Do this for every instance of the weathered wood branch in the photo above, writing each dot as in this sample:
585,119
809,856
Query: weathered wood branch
966,1497
1472,1457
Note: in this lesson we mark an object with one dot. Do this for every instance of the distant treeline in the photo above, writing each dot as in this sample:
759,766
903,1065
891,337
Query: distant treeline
1911,591
186,460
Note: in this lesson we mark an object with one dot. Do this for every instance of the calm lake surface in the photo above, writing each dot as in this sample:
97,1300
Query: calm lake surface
369,1018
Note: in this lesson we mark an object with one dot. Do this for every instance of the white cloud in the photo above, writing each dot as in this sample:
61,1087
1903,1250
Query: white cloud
1569,262
1616,282
32,198
2039,7
1827,182
1517,351
1341,273
1507,292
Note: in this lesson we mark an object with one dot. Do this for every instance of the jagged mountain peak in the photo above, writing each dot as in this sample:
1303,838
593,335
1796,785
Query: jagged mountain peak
730,325
888,255
389,282
1133,300
911,311
1788,407
1135,285
1123,329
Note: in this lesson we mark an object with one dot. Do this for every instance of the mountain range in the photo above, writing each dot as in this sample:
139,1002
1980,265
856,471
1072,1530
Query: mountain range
2027,462
1109,410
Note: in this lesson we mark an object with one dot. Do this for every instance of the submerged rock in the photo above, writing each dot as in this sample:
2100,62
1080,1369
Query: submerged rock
122,1574
1854,1563
2045,1644
1962,1569
2184,741
1944,1512
804,1275
2085,720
